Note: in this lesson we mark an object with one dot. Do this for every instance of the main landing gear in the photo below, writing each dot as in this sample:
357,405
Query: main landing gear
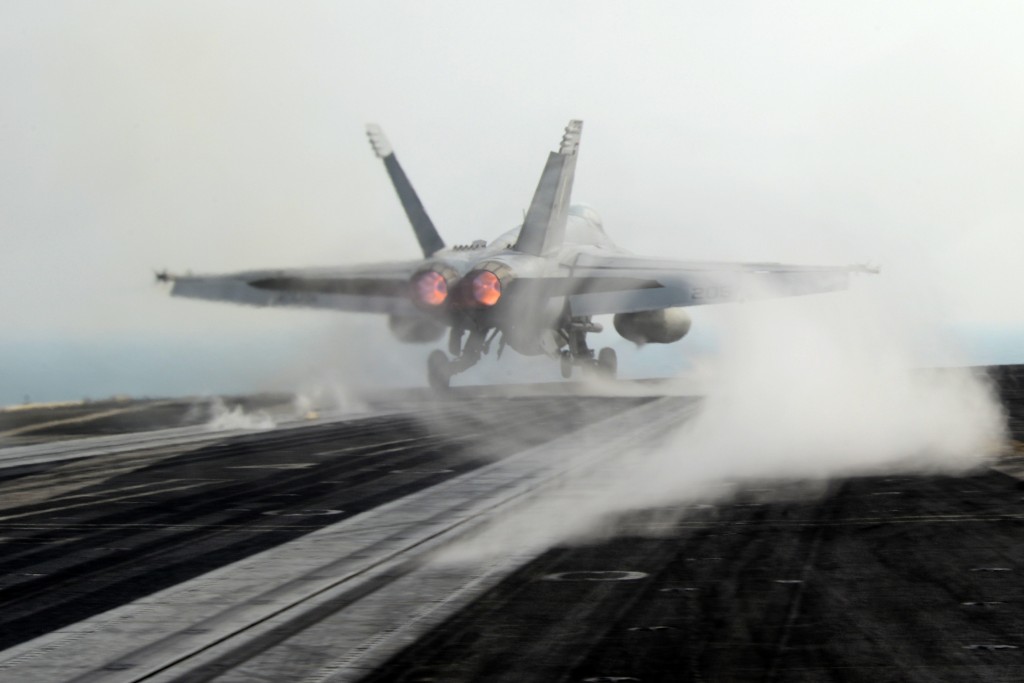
606,365
440,370
578,355
437,370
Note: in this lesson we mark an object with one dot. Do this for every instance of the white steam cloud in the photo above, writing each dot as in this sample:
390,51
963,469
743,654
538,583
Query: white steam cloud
223,418
803,389
326,394
314,399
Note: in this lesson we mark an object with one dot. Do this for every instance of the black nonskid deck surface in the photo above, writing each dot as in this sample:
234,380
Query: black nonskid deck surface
912,578
81,537
899,578
879,579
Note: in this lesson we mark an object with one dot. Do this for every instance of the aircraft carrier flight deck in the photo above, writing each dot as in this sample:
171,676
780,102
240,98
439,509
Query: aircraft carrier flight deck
140,543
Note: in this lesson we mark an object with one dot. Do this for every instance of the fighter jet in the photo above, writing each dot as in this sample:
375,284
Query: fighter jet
535,289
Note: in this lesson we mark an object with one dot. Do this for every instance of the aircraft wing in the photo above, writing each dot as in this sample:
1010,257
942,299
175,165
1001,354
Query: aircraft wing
626,284
378,288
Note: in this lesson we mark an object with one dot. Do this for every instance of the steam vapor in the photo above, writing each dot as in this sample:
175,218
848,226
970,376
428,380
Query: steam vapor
803,389
223,418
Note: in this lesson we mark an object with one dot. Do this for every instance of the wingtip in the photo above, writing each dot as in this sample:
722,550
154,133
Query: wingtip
378,141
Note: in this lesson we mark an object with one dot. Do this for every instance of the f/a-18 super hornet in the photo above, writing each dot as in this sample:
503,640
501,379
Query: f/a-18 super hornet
535,288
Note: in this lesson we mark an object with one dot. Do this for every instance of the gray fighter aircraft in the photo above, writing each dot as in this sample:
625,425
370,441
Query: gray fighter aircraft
535,288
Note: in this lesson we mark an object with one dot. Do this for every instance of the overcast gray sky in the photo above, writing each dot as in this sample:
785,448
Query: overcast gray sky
217,136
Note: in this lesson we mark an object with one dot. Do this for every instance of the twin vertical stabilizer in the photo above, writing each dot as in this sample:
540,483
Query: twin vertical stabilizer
544,228
427,235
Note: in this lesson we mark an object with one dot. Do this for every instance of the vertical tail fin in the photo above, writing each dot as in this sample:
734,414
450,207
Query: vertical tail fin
544,227
427,235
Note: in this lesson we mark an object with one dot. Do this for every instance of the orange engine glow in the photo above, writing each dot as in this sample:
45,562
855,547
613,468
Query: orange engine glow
430,288
486,288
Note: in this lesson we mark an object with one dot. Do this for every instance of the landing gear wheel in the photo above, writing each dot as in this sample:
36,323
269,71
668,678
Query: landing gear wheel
607,363
566,365
437,370
455,341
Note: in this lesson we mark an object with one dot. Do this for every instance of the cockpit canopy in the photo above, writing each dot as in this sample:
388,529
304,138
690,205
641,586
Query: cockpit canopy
584,226
587,213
